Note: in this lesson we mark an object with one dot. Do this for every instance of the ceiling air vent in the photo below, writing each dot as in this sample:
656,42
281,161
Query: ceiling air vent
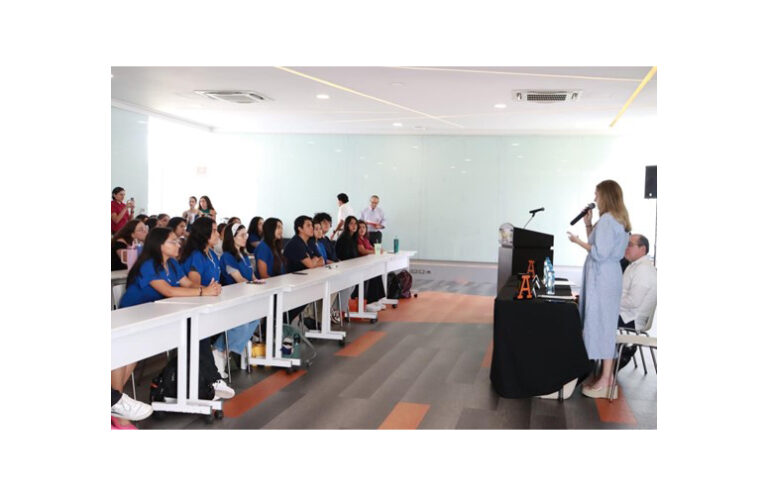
234,96
546,96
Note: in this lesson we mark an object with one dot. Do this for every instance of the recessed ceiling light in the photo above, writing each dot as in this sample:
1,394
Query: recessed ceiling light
397,84
500,105
397,124
338,150
515,144
322,96
467,159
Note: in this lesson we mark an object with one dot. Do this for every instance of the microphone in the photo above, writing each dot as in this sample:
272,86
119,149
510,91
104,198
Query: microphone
583,212
533,212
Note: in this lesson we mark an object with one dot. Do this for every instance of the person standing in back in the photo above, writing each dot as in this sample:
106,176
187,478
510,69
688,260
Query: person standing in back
373,217
345,210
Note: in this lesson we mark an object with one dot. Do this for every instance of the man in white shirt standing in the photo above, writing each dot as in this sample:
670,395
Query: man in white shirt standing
374,217
638,294
345,210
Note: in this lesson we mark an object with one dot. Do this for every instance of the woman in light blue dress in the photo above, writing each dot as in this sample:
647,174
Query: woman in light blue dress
601,285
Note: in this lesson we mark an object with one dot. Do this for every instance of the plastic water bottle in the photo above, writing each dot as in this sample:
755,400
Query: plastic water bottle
550,277
397,244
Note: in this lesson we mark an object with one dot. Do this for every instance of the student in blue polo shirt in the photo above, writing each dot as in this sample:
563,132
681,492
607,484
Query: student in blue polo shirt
198,258
270,261
316,243
299,255
201,264
297,251
235,268
156,275
325,221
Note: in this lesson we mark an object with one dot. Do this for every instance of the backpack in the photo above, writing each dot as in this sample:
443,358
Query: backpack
394,290
406,280
165,384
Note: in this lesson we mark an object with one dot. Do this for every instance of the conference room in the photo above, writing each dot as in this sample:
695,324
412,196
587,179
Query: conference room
494,199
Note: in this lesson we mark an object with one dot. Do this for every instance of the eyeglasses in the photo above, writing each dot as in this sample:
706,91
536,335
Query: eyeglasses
177,242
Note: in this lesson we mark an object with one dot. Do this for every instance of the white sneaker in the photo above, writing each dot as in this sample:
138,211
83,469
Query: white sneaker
220,358
222,391
130,409
372,308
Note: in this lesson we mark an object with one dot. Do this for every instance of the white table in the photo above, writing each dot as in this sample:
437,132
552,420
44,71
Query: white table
238,304
145,330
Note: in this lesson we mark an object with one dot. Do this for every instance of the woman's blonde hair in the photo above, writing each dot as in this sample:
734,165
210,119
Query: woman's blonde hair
612,201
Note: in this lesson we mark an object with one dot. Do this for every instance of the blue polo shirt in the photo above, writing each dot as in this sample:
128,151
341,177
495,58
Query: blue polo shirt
139,291
252,238
317,249
329,248
264,254
295,251
228,260
208,268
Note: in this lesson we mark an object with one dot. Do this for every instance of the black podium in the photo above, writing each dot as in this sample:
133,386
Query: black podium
526,245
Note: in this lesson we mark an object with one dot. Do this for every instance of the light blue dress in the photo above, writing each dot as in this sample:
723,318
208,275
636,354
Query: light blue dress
600,298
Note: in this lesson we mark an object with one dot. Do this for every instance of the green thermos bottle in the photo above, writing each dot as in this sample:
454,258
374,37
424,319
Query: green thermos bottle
397,244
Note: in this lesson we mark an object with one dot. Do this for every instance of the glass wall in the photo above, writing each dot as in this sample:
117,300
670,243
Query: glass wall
444,196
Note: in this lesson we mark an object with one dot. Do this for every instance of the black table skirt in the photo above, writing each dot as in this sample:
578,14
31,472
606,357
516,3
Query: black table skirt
537,345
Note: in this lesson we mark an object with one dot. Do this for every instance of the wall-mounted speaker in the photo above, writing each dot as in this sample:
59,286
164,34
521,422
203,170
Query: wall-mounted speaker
650,182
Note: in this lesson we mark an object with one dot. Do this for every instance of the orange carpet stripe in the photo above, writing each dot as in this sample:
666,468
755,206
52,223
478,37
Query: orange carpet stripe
441,307
361,344
617,411
405,416
488,356
258,393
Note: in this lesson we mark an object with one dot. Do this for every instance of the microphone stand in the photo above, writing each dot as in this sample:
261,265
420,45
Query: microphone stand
529,220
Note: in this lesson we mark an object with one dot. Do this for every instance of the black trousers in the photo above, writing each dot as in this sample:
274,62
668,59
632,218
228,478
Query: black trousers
115,396
629,351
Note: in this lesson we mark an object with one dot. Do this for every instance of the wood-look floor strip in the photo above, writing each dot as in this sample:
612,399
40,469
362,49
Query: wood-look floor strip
405,416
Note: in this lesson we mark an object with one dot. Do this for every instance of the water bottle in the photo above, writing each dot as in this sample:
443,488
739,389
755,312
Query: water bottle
397,244
550,280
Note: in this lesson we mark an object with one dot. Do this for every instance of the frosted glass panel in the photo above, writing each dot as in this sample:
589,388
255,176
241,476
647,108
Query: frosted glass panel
129,156
444,196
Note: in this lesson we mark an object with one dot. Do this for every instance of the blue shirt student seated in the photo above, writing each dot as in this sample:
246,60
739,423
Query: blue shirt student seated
157,275
269,253
140,291
297,251
316,245
324,219
206,264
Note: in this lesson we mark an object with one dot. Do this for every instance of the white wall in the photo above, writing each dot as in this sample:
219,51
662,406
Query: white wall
129,156
444,195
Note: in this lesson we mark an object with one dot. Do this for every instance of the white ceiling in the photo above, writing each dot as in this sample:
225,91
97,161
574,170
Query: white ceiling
458,100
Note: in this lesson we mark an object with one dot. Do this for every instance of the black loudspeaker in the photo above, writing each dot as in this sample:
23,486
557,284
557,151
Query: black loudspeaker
650,182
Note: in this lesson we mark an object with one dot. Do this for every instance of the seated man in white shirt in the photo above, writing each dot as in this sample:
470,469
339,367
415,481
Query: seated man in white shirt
638,293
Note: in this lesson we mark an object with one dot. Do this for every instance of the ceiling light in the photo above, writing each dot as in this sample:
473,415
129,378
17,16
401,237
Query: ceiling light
500,105
420,128
467,159
397,84
322,96
397,124
515,144
519,96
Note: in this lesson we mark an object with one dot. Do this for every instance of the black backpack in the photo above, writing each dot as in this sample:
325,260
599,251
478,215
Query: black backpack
394,290
165,384
406,280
